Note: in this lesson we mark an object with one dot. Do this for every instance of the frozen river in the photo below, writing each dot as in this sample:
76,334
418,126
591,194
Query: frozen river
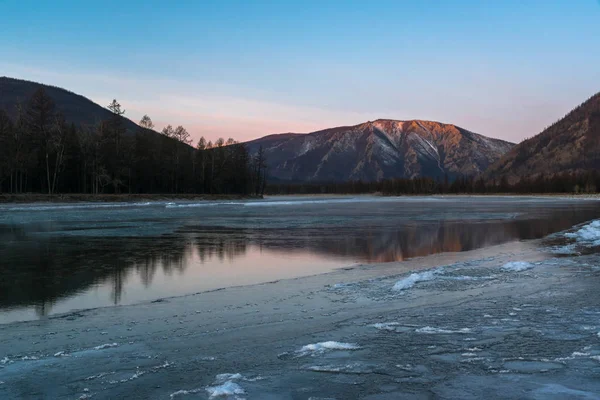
437,298
56,258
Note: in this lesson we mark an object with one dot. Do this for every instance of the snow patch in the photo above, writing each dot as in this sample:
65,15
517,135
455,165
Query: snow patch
385,326
324,346
468,278
588,235
100,375
413,279
222,378
517,266
226,389
105,346
568,249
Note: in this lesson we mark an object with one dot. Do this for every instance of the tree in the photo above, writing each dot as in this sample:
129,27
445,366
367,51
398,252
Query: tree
112,146
116,123
40,118
200,162
168,131
41,152
260,172
58,144
146,122
6,131
181,135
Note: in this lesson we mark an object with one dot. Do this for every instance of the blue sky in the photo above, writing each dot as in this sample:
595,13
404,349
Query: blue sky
244,69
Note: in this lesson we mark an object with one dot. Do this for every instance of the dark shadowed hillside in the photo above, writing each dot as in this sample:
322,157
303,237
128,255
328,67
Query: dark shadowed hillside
571,145
75,108
378,150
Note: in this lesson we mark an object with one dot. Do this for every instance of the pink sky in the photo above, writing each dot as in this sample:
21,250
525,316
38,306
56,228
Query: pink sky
217,110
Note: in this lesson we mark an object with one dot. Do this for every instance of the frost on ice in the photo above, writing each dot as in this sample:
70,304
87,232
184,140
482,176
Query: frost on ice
184,392
517,266
432,330
412,279
351,368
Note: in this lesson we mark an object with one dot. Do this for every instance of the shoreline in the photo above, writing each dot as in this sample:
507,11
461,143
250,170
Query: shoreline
33,198
355,271
22,198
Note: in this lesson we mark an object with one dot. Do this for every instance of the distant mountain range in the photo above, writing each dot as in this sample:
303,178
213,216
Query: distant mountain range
378,150
571,145
384,148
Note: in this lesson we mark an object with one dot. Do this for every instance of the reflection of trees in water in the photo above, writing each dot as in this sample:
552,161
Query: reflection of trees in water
224,244
40,270
418,239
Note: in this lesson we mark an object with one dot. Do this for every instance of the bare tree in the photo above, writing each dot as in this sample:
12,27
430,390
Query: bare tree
58,139
181,135
168,131
260,172
40,117
146,122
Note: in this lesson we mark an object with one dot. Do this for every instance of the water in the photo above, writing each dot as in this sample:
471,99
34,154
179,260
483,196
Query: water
56,258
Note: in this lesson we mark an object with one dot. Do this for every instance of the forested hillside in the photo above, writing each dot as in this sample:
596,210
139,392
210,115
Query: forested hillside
569,146
43,150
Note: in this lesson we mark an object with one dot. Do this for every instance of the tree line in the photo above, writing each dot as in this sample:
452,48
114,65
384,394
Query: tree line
40,152
567,183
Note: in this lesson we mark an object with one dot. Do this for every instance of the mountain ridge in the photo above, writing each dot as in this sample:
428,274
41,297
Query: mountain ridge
368,151
379,149
570,145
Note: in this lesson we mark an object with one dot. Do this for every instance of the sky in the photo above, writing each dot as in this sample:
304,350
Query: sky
245,69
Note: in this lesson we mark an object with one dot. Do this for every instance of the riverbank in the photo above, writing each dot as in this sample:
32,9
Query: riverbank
114,198
23,198
508,321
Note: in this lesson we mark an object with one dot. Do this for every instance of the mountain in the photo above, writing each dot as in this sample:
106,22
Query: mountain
379,150
75,108
571,145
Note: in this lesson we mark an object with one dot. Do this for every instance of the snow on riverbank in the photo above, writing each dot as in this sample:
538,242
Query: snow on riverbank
412,279
517,266
588,235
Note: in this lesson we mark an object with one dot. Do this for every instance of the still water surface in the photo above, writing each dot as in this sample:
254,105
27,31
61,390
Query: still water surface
56,258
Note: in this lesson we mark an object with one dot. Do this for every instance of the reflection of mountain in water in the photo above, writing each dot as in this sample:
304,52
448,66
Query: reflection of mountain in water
40,270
